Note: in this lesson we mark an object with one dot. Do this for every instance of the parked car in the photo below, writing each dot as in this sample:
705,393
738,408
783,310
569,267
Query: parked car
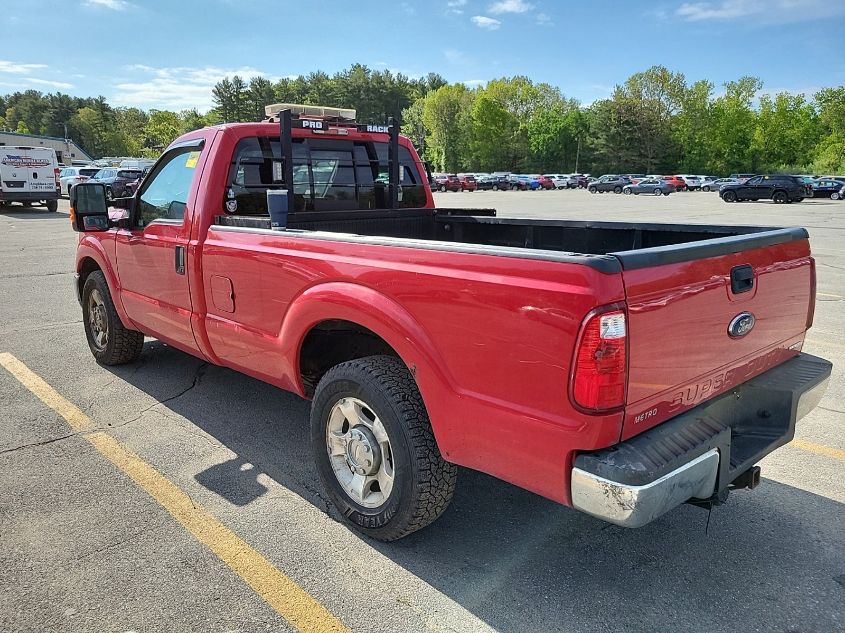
692,183
715,185
117,181
530,183
779,188
653,186
69,176
560,181
840,195
486,182
608,182
742,177
468,182
623,379
545,181
446,182
634,178
826,188
578,181
676,181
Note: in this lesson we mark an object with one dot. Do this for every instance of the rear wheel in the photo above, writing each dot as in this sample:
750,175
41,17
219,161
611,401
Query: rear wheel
834,196
514,188
442,188
729,196
495,187
627,191
592,189
658,191
52,205
706,188
111,343
617,189
375,450
780,197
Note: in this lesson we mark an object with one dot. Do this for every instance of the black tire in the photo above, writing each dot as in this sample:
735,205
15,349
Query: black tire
729,196
658,191
706,188
52,205
627,191
592,189
617,189
495,187
423,481
780,197
833,196
122,344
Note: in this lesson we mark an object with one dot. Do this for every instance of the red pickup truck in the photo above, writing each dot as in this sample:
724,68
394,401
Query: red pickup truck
618,368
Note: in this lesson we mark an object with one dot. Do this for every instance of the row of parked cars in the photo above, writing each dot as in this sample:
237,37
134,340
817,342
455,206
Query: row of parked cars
506,181
120,182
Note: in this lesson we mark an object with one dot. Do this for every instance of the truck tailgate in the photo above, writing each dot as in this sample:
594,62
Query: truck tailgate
688,334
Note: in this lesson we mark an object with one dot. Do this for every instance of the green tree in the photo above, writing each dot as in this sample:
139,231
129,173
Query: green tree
445,115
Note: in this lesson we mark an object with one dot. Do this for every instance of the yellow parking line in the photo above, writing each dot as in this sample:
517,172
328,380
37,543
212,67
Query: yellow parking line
819,449
290,600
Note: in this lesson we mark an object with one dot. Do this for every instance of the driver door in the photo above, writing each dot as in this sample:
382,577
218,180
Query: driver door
152,253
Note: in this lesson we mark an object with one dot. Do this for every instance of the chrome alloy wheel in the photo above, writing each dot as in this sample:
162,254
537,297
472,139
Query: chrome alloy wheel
98,320
360,453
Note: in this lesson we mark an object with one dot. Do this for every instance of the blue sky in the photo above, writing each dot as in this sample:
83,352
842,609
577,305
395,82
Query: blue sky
168,54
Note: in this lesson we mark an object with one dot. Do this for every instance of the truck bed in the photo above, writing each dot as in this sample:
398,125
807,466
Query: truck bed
633,245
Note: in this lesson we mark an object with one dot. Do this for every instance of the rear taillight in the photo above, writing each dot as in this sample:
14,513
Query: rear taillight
811,311
56,172
600,371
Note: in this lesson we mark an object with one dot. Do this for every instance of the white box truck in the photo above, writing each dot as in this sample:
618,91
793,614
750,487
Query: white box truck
29,175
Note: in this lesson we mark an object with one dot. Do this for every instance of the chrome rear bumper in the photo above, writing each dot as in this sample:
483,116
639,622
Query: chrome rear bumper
700,452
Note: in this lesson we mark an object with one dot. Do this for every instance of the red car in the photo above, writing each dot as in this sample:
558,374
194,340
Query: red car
545,182
468,182
446,182
619,368
676,181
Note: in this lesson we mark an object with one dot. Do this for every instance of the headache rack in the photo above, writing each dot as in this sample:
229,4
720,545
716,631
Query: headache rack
328,120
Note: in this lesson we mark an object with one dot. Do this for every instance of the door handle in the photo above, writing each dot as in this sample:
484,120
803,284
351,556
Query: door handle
742,278
180,260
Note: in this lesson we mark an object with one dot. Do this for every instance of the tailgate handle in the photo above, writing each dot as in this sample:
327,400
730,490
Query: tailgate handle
742,278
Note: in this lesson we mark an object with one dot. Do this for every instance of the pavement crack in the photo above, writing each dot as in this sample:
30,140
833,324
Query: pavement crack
831,410
41,443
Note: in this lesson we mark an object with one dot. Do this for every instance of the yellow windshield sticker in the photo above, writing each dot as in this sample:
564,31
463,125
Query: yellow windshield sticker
191,161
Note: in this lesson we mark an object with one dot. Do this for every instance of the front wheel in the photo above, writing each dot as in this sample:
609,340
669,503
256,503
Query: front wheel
592,189
111,343
834,196
375,450
780,197
495,187
617,190
729,196
658,191
627,191
52,205
705,188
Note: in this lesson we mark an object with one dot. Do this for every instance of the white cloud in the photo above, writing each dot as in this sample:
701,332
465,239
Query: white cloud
455,7
114,5
14,67
769,11
482,21
46,82
176,88
544,19
472,83
455,57
510,6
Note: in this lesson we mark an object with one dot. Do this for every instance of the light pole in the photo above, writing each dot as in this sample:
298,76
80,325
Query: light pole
577,155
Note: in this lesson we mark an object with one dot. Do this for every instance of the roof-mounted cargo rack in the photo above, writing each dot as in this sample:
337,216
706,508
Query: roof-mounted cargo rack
344,115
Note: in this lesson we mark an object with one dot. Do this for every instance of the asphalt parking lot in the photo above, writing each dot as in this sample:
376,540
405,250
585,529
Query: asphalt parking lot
84,547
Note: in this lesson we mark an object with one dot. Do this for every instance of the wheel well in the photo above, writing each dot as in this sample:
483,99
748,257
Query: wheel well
88,266
333,342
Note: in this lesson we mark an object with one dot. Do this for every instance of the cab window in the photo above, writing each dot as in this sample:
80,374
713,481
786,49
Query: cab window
165,192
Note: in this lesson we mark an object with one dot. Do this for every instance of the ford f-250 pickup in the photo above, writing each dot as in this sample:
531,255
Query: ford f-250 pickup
618,368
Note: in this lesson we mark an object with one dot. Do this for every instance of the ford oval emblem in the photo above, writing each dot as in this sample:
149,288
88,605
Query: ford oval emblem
741,325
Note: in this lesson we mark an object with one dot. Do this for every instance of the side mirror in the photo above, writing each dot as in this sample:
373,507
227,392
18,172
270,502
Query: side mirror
89,211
